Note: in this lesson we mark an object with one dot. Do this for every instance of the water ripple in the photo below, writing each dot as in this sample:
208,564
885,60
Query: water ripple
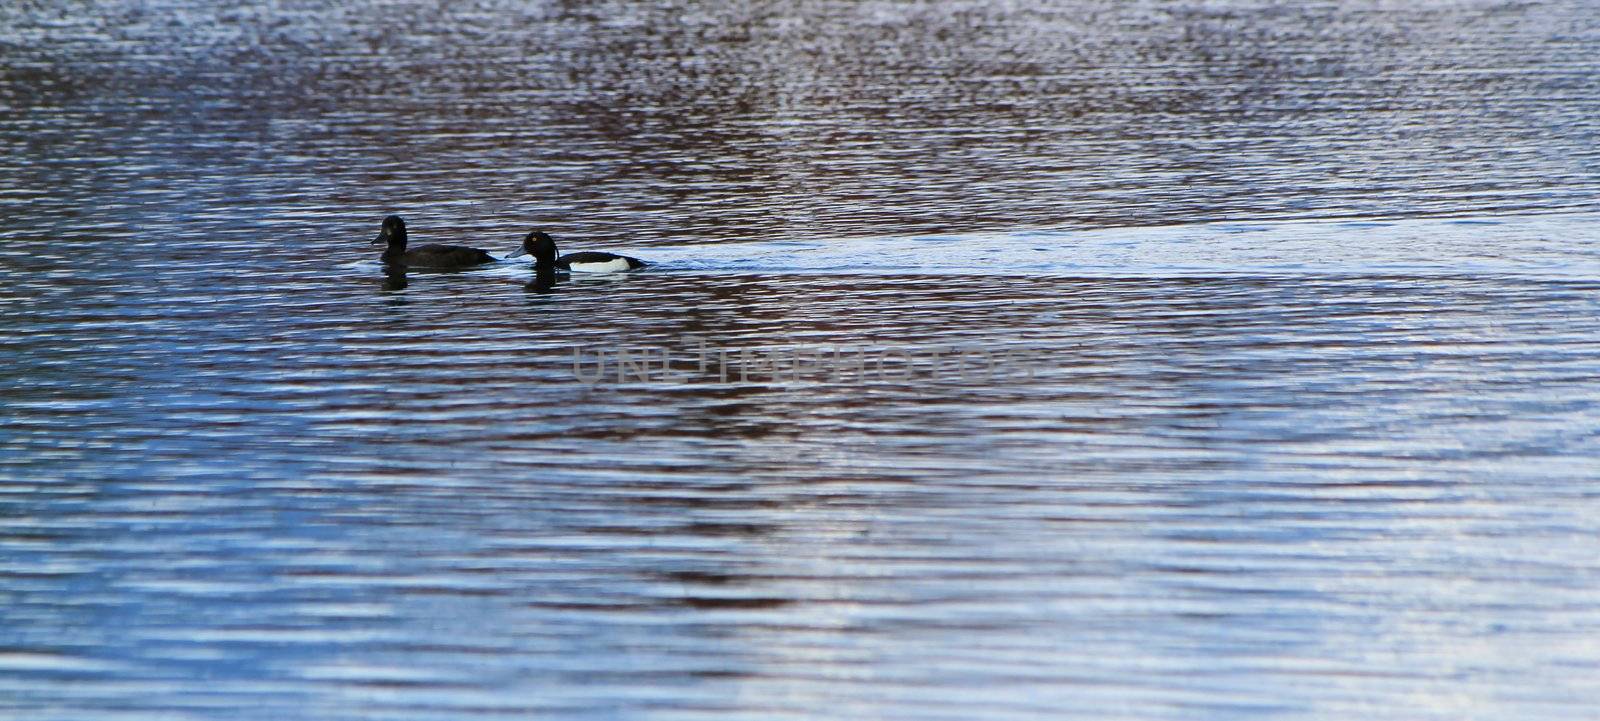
1132,360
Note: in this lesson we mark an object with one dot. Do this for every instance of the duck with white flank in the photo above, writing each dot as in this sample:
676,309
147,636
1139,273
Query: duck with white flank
543,249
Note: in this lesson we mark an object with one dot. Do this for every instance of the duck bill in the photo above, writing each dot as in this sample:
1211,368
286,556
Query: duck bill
518,253
382,239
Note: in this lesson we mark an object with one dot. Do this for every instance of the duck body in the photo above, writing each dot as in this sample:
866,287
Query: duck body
590,261
432,255
543,249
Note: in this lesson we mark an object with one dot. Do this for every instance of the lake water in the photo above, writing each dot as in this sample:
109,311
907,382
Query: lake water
1216,360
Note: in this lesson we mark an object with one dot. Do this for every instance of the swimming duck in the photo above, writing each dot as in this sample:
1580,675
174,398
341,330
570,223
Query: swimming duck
431,255
543,249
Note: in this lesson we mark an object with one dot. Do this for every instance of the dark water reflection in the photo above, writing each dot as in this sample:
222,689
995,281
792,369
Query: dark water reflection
1300,469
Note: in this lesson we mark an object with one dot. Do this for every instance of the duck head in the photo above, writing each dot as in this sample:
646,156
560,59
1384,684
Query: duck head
540,245
393,233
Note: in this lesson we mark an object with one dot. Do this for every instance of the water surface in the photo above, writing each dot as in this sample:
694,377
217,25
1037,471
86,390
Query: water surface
1310,299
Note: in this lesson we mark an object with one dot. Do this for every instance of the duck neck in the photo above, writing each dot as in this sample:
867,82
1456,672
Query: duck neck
396,248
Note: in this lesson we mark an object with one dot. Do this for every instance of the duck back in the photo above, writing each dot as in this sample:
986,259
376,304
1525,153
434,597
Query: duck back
598,262
436,255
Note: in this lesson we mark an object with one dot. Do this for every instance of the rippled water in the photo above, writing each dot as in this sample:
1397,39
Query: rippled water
1296,411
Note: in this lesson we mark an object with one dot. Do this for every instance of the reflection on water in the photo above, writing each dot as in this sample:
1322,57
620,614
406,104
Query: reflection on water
394,278
544,280
1301,469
